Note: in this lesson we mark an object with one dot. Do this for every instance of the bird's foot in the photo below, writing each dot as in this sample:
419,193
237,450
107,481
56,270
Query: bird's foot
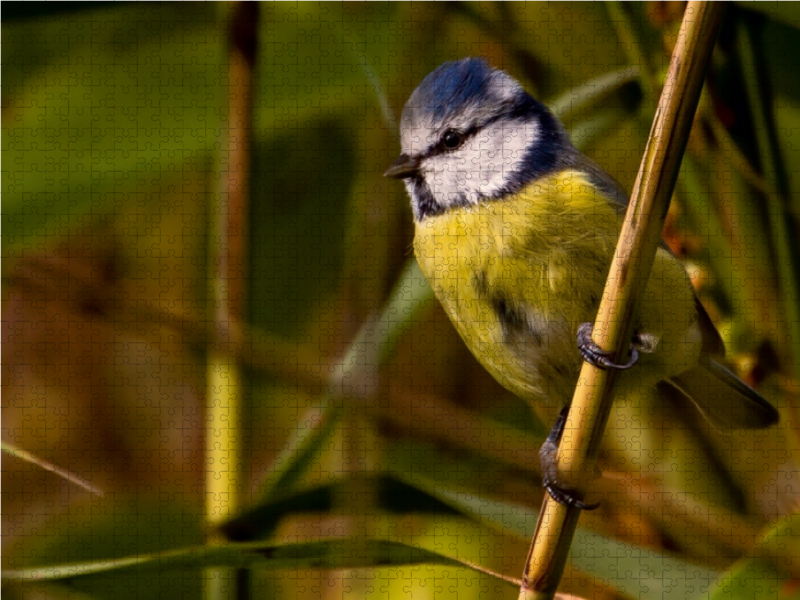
548,457
594,355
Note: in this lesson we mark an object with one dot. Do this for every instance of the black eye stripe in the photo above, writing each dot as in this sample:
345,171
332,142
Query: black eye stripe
466,134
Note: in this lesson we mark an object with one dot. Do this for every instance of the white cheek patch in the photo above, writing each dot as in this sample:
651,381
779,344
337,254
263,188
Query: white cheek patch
444,174
481,168
484,165
502,148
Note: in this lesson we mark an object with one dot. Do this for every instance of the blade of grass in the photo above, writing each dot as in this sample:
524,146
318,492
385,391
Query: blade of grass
624,27
587,100
374,344
21,454
772,165
658,574
335,553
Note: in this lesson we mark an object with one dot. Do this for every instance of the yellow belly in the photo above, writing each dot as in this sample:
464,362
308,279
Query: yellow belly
517,276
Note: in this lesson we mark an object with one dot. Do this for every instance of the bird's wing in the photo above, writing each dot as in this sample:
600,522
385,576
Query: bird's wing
609,186
712,342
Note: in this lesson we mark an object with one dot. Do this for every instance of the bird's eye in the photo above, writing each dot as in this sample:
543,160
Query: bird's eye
451,139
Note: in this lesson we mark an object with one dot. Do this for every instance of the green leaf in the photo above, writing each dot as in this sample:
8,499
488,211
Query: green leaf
658,574
607,93
339,553
754,578
782,542
392,492
308,440
92,125
373,344
783,12
409,298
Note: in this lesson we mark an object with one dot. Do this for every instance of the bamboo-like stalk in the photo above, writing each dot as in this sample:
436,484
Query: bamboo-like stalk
630,270
225,412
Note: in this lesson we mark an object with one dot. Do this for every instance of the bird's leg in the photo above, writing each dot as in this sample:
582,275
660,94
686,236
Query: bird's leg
548,454
594,355
548,457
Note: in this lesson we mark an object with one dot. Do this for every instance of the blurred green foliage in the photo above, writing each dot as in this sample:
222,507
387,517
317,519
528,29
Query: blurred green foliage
115,133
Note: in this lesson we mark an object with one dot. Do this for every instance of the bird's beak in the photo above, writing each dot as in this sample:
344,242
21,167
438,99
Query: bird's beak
405,166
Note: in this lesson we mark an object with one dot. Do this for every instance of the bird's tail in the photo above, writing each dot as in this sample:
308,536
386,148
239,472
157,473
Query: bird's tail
724,399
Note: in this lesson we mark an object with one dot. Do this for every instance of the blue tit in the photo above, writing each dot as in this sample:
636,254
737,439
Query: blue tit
515,231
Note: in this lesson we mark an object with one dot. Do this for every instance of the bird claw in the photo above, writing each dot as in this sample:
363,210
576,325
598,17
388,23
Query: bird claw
594,355
547,456
566,498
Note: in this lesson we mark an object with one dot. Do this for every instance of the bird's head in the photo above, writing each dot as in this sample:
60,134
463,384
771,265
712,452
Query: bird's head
470,133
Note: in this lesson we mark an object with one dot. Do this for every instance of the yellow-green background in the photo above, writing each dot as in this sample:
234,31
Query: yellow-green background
114,134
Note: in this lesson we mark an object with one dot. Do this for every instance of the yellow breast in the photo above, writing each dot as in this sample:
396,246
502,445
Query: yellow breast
517,276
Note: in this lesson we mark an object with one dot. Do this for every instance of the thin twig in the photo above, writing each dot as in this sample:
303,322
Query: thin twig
21,454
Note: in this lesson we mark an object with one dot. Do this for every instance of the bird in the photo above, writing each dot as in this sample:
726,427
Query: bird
515,231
